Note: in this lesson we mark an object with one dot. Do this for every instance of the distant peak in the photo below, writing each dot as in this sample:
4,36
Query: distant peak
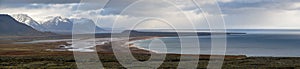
56,20
22,17
60,18
57,17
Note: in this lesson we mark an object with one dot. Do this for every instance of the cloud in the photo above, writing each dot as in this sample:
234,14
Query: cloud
266,14
39,1
237,13
154,9
40,11
261,4
140,10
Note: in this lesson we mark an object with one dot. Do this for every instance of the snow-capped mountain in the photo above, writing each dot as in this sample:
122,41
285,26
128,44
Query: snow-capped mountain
11,27
58,24
23,18
65,25
55,24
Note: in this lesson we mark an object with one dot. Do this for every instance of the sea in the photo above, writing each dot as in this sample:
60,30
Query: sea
256,42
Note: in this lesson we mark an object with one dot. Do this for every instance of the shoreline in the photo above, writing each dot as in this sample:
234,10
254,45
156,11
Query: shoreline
201,56
106,48
131,43
137,49
35,56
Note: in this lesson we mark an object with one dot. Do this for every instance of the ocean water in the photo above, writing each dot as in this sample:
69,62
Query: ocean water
276,43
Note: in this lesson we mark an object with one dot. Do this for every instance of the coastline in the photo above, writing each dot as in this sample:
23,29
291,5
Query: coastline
201,56
35,56
107,48
131,42
122,44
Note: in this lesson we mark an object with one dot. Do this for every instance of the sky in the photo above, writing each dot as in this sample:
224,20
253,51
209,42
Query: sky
181,14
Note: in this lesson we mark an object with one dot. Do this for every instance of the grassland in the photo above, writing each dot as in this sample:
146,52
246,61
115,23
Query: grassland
109,61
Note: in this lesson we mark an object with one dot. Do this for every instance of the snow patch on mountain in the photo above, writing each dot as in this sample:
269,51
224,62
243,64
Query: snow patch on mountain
59,24
23,18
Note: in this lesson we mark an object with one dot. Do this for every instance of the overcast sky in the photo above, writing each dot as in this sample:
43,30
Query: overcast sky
238,14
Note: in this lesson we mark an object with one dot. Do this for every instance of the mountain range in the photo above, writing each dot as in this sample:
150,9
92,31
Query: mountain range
23,18
11,27
55,24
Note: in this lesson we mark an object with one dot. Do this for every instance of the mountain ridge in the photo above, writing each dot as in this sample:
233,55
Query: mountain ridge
59,24
55,24
24,18
11,27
